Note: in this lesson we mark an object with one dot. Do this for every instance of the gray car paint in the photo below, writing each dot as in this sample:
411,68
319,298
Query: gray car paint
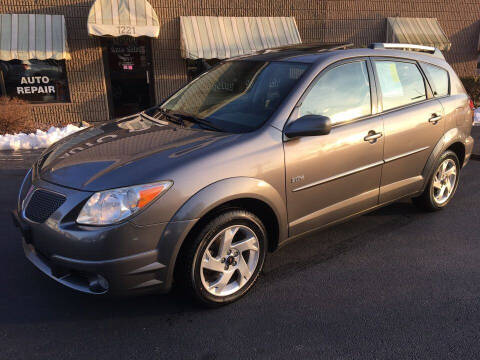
348,176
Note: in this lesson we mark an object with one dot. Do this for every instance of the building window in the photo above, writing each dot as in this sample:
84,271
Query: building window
198,66
35,81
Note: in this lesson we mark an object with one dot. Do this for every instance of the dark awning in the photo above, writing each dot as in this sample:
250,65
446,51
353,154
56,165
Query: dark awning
420,31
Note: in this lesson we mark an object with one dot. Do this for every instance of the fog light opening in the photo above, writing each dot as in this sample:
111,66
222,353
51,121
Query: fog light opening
98,284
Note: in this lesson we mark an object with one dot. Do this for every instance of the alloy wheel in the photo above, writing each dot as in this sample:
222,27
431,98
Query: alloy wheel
229,260
444,181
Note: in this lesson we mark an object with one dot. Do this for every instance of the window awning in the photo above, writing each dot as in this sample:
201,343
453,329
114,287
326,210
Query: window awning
33,36
209,37
123,18
420,31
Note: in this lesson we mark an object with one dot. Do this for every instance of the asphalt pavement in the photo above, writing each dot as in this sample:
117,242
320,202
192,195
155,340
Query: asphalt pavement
396,283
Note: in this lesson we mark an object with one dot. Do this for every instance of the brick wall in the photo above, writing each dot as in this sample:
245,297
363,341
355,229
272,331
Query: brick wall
357,21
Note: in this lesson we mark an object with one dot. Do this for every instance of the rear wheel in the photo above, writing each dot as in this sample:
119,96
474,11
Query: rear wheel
225,258
442,184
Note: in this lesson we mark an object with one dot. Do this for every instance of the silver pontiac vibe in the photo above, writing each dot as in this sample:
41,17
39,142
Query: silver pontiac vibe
255,152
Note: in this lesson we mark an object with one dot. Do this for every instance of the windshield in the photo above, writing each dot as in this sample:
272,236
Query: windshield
237,96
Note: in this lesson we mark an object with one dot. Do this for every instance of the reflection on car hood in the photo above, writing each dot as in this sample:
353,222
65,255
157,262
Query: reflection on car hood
126,152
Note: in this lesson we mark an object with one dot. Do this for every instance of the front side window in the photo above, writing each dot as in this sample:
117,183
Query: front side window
237,96
439,78
342,94
36,81
401,83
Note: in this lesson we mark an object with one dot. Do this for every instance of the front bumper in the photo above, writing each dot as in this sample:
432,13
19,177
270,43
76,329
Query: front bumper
119,259
136,273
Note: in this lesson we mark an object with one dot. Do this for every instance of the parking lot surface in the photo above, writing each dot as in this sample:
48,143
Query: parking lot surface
396,283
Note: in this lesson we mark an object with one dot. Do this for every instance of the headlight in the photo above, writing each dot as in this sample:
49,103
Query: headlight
112,206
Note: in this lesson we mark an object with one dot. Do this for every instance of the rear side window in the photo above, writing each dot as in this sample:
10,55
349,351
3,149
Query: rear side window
342,94
401,83
439,78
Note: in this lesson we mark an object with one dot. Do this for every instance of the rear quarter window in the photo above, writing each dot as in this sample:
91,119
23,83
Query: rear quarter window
439,78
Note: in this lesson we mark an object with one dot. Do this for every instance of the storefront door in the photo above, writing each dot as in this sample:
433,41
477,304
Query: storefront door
129,75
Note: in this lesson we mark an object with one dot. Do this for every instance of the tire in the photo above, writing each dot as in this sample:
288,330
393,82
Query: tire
218,276
430,199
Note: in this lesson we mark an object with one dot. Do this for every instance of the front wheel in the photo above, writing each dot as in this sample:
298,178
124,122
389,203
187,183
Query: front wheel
442,184
224,259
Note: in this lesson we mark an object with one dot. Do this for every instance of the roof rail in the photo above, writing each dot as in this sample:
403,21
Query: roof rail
312,46
340,46
408,47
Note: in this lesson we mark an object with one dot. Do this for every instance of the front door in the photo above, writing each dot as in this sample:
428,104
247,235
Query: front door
129,74
333,176
413,125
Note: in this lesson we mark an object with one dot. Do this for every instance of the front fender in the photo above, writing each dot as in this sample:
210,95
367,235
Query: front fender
231,189
208,199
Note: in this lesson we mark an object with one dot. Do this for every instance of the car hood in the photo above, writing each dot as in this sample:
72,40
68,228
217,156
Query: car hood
130,151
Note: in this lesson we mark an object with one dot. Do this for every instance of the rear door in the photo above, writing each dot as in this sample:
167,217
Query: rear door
448,89
332,176
413,124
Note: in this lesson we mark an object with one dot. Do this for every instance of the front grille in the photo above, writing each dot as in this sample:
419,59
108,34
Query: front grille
42,205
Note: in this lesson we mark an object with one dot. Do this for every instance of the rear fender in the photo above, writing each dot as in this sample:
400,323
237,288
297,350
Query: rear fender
450,137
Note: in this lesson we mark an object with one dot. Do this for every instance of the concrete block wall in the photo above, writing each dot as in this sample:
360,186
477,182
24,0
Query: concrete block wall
357,21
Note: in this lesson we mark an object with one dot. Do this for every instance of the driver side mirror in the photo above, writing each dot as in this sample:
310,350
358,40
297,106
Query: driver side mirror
309,125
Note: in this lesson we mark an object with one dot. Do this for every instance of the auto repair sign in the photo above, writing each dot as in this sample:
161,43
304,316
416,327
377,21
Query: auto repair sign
35,85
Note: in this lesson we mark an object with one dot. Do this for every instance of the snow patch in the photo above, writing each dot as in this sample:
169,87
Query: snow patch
477,117
39,139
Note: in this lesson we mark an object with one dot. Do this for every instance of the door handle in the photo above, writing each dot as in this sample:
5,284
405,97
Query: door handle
372,136
435,119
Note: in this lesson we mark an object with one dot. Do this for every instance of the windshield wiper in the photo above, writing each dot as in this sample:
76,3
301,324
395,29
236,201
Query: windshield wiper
197,120
172,117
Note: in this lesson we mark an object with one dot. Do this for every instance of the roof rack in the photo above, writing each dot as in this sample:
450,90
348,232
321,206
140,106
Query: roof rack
340,46
408,47
315,46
